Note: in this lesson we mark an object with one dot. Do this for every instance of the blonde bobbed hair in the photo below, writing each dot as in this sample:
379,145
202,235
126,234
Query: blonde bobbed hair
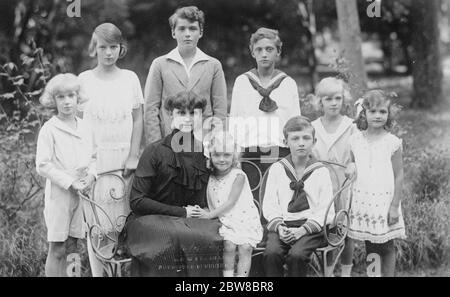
62,82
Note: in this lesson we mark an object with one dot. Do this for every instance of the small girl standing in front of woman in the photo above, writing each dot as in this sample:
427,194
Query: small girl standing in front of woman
376,215
65,156
114,111
333,131
230,199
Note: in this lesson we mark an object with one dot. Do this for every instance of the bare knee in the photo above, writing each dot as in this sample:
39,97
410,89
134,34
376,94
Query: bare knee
229,247
245,250
58,250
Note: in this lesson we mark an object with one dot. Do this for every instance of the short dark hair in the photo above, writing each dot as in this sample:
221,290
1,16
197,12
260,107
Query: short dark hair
298,123
185,100
190,13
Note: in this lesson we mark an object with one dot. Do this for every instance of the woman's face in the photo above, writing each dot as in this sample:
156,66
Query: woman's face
107,53
186,120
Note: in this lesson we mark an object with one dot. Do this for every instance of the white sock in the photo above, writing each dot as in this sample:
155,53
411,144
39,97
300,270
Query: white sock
346,270
228,273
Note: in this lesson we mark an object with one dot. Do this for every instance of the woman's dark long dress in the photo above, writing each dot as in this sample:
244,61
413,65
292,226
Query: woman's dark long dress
159,237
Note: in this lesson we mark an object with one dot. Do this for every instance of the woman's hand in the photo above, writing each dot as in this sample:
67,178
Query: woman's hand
393,215
350,171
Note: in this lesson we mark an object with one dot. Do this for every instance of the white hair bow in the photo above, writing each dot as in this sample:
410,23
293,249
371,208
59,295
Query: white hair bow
358,103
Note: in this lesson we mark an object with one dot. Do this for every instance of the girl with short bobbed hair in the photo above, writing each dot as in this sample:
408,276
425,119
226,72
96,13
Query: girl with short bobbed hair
115,113
230,199
109,33
333,132
59,84
65,156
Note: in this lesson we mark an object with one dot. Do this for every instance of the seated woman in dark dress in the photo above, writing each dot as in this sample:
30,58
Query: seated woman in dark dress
164,233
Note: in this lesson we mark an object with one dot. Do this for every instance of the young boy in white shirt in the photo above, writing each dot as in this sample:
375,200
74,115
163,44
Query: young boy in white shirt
295,207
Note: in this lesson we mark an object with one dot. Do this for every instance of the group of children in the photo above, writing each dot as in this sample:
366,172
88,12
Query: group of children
71,151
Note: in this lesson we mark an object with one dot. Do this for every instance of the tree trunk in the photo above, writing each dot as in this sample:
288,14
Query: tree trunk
427,68
350,45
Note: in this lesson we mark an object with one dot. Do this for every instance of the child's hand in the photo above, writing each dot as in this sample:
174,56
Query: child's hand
78,185
393,215
285,234
297,234
205,214
130,166
87,181
350,170
192,211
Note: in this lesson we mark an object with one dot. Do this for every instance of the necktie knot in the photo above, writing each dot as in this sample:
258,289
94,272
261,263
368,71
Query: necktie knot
297,186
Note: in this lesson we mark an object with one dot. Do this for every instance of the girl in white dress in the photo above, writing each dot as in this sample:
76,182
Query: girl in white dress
333,131
114,110
230,199
376,215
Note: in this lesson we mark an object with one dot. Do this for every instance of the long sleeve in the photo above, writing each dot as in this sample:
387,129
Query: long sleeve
153,98
44,163
142,204
237,123
236,99
271,204
295,100
322,199
219,93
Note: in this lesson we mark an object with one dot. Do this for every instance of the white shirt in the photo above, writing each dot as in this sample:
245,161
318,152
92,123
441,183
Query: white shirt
63,154
278,194
199,56
254,127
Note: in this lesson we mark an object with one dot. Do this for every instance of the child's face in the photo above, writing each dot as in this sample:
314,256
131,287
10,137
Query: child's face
66,103
265,53
377,116
300,142
107,53
222,159
332,103
186,33
186,120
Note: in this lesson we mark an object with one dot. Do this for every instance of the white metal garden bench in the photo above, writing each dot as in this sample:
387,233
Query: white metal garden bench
102,228
324,259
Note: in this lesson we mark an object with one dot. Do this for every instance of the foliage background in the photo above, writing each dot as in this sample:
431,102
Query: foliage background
38,40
